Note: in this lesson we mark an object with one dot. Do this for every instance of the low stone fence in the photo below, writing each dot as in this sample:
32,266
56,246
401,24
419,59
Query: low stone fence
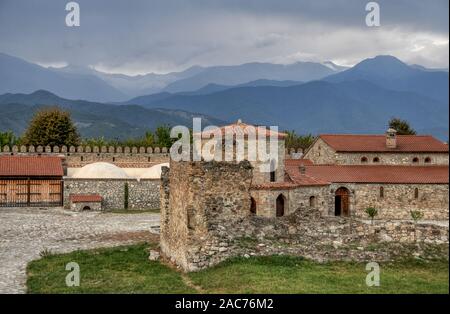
310,236
142,194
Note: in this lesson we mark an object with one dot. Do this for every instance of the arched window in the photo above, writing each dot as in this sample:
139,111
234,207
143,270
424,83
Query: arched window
381,192
272,171
376,159
415,160
364,159
416,193
427,160
312,202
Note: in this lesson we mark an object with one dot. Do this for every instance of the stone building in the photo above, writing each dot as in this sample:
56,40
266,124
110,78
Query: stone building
342,175
211,211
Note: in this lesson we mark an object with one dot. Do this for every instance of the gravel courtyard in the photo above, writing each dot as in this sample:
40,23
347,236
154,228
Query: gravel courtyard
24,233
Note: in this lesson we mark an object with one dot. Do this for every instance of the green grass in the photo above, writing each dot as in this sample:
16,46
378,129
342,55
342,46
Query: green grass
285,274
116,270
128,270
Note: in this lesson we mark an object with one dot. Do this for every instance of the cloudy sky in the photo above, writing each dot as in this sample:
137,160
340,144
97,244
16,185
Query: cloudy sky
142,36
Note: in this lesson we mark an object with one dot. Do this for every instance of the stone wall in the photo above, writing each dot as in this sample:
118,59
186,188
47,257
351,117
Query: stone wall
195,196
315,197
321,153
304,233
399,199
391,159
143,194
396,203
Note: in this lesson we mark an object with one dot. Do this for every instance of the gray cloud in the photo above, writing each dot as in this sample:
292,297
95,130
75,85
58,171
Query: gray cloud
160,36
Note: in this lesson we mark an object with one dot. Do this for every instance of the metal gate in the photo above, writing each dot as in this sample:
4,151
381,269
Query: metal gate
31,192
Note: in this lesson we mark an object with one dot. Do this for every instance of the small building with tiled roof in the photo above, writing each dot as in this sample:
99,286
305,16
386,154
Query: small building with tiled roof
31,181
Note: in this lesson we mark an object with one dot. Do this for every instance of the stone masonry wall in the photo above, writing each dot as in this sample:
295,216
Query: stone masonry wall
200,194
143,194
321,153
399,199
391,159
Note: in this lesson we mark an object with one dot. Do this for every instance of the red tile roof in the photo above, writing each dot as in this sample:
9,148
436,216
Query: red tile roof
239,128
326,174
31,166
81,198
298,162
377,143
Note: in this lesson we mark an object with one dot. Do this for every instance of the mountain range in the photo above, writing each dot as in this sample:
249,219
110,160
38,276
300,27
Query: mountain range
77,82
305,97
93,119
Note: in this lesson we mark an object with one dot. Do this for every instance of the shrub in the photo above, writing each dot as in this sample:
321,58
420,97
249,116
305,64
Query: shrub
371,212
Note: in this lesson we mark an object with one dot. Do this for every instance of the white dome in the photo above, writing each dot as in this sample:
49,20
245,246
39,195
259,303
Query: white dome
153,172
100,170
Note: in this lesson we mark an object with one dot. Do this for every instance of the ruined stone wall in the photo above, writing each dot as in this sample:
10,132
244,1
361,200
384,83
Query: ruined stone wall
143,194
305,233
391,159
75,157
200,196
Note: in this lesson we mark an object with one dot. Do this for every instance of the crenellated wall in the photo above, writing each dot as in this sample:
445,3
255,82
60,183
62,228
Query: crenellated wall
76,157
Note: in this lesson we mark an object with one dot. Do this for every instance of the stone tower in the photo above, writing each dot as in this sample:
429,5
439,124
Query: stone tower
197,198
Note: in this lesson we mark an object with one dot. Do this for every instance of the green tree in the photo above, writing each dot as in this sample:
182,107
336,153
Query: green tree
371,212
163,136
8,138
416,215
401,126
295,141
51,126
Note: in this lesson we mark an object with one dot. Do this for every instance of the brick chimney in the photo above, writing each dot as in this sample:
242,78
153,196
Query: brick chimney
391,138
